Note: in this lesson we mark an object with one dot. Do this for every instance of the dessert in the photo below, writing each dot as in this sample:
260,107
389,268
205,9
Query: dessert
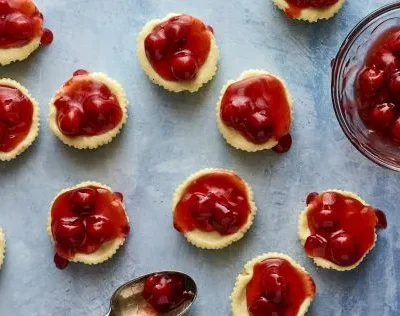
213,208
88,111
166,291
2,247
309,10
178,52
21,30
338,229
254,112
272,284
378,86
87,224
19,119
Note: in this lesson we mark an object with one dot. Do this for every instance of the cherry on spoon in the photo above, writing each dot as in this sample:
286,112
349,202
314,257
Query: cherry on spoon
128,298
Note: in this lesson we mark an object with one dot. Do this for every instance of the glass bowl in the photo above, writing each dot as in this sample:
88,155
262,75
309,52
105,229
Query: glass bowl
345,69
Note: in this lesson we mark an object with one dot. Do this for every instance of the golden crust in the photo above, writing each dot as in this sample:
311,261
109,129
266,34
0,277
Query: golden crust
313,14
213,240
238,296
206,72
33,132
2,247
231,135
91,142
107,250
304,233
9,55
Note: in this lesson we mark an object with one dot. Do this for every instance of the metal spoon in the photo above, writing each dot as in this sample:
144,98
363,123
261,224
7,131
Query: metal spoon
127,300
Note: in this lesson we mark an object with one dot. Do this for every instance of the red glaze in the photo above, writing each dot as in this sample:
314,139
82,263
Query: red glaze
85,218
258,108
342,228
214,202
178,47
378,85
165,292
277,288
16,115
20,22
86,107
294,7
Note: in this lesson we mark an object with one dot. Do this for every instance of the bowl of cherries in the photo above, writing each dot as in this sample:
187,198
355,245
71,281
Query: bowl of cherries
366,86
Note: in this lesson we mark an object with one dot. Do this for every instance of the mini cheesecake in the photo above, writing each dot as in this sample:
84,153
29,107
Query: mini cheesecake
338,229
87,224
21,30
272,284
88,111
2,247
19,119
309,10
213,208
178,52
254,112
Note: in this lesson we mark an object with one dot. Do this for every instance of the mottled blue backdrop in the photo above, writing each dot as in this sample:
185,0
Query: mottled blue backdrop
169,136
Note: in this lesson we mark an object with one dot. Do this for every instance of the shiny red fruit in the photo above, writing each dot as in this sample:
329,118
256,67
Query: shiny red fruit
275,287
263,307
19,25
60,262
98,110
83,200
99,227
326,219
70,120
69,232
284,144
184,66
225,220
343,248
383,115
370,80
316,246
201,206
176,32
311,197
155,45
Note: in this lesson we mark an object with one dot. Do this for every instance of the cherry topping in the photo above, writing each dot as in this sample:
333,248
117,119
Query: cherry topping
177,32
4,7
99,227
396,130
3,132
80,72
60,262
201,206
326,219
69,232
156,44
284,144
225,219
83,200
316,246
263,307
312,3
311,197
184,66
70,120
343,248
20,25
275,287
47,37
383,115
98,109
382,221
371,80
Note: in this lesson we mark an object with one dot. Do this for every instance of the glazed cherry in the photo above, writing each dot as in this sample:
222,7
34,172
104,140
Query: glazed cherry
3,132
261,125
69,232
312,3
201,206
20,25
99,227
326,219
263,307
70,120
60,262
83,200
80,72
284,144
184,66
225,219
382,221
4,7
98,110
343,248
394,85
383,115
237,108
178,47
370,81
396,130
311,197
47,37
275,287
316,246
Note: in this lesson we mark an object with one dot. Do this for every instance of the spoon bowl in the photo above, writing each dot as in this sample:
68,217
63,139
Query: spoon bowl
127,300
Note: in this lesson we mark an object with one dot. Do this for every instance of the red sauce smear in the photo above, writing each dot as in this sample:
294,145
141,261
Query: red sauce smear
84,219
166,291
258,108
295,7
20,22
342,228
178,47
213,202
378,85
277,288
86,107
16,116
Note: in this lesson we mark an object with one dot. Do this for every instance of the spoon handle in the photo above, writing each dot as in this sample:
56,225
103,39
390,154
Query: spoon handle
108,313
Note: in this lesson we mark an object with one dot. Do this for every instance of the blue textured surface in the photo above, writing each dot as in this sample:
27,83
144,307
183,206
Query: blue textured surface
170,136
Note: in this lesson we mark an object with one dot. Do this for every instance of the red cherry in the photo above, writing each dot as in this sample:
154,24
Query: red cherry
149,285
316,246
80,72
326,219
19,25
162,294
47,37
10,112
3,132
394,43
394,85
311,197
184,66
343,248
201,206
4,7
99,227
284,144
60,262
237,109
274,286
69,232
176,32
370,80
396,130
98,110
329,198
386,61
260,127
382,221
263,307
70,121
383,115
225,220
155,45
83,200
